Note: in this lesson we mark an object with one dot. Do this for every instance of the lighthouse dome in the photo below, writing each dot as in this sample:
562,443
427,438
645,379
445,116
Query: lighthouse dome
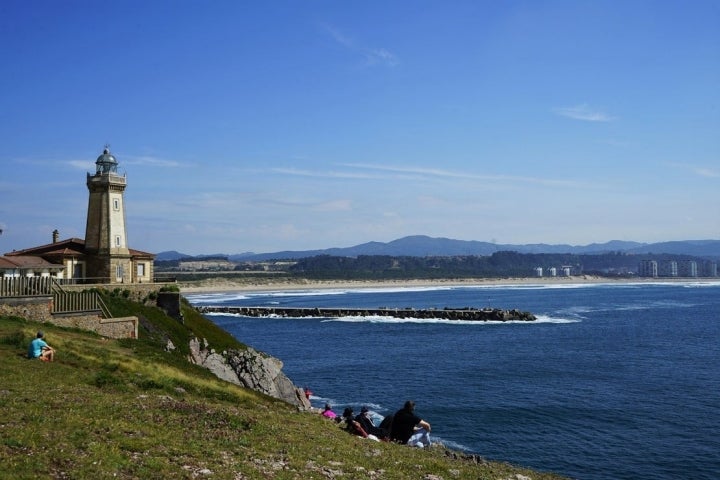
106,162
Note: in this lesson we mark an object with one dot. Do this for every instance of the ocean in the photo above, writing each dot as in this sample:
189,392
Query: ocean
613,381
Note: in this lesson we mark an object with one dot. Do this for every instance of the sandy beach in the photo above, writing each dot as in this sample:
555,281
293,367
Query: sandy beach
225,285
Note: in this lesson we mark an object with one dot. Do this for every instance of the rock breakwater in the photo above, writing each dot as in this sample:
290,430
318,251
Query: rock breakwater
467,314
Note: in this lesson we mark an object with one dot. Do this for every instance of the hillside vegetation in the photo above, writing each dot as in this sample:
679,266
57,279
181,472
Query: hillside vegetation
130,409
386,267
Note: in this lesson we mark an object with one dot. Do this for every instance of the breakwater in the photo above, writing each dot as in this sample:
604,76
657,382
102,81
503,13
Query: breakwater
468,314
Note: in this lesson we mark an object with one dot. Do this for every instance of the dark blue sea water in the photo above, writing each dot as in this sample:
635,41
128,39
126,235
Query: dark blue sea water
615,381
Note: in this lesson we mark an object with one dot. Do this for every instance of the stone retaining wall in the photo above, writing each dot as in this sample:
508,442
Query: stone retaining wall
38,309
136,292
121,327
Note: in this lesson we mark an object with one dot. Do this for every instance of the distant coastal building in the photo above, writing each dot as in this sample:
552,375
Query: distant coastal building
563,270
678,269
103,256
709,269
668,269
215,265
688,268
648,268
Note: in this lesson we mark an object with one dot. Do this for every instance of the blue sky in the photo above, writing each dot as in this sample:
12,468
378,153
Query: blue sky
293,125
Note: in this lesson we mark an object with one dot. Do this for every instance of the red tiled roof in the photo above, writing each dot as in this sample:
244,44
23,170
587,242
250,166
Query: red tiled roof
71,244
67,248
138,253
27,261
6,263
65,252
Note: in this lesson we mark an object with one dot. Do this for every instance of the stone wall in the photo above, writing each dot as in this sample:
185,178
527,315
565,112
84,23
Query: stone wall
36,309
137,292
120,327
39,309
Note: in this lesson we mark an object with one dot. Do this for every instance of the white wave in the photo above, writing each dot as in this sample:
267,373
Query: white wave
702,284
317,399
649,306
577,310
450,444
199,298
343,291
548,319
230,296
535,286
296,293
238,315
205,298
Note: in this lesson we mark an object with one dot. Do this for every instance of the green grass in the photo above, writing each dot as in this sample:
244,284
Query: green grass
125,409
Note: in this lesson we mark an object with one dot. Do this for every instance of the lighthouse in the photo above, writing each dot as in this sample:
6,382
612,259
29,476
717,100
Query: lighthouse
106,244
104,256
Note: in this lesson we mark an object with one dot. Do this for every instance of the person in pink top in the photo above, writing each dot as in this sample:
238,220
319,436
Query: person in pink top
328,413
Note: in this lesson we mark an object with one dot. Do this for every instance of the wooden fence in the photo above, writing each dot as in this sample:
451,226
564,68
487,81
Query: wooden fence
25,286
74,302
63,301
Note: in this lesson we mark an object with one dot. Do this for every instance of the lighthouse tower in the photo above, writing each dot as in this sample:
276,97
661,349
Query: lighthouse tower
109,259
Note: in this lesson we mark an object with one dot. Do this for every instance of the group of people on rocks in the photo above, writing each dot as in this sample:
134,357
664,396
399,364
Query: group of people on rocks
404,426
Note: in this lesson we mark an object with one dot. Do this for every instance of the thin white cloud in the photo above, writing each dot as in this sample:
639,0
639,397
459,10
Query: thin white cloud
701,171
89,164
46,162
339,205
584,112
81,164
152,161
322,174
435,173
380,56
339,37
372,56
707,172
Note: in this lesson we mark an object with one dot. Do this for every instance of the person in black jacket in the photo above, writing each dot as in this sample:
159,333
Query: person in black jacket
363,418
408,428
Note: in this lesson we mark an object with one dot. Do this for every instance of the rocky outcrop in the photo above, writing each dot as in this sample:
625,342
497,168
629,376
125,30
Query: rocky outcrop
251,369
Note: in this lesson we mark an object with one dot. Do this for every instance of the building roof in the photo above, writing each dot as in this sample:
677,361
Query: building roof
27,262
138,253
71,246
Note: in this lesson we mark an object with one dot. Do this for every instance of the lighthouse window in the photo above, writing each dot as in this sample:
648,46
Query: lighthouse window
116,204
117,240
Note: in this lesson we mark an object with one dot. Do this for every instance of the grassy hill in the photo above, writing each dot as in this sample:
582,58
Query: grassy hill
130,409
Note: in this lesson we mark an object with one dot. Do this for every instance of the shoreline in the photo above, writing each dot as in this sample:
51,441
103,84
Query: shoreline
212,285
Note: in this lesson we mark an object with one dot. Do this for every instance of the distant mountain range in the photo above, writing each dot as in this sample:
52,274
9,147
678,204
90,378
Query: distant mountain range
424,246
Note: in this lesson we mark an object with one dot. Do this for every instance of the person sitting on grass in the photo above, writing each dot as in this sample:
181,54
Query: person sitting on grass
328,413
40,349
367,424
408,428
354,427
